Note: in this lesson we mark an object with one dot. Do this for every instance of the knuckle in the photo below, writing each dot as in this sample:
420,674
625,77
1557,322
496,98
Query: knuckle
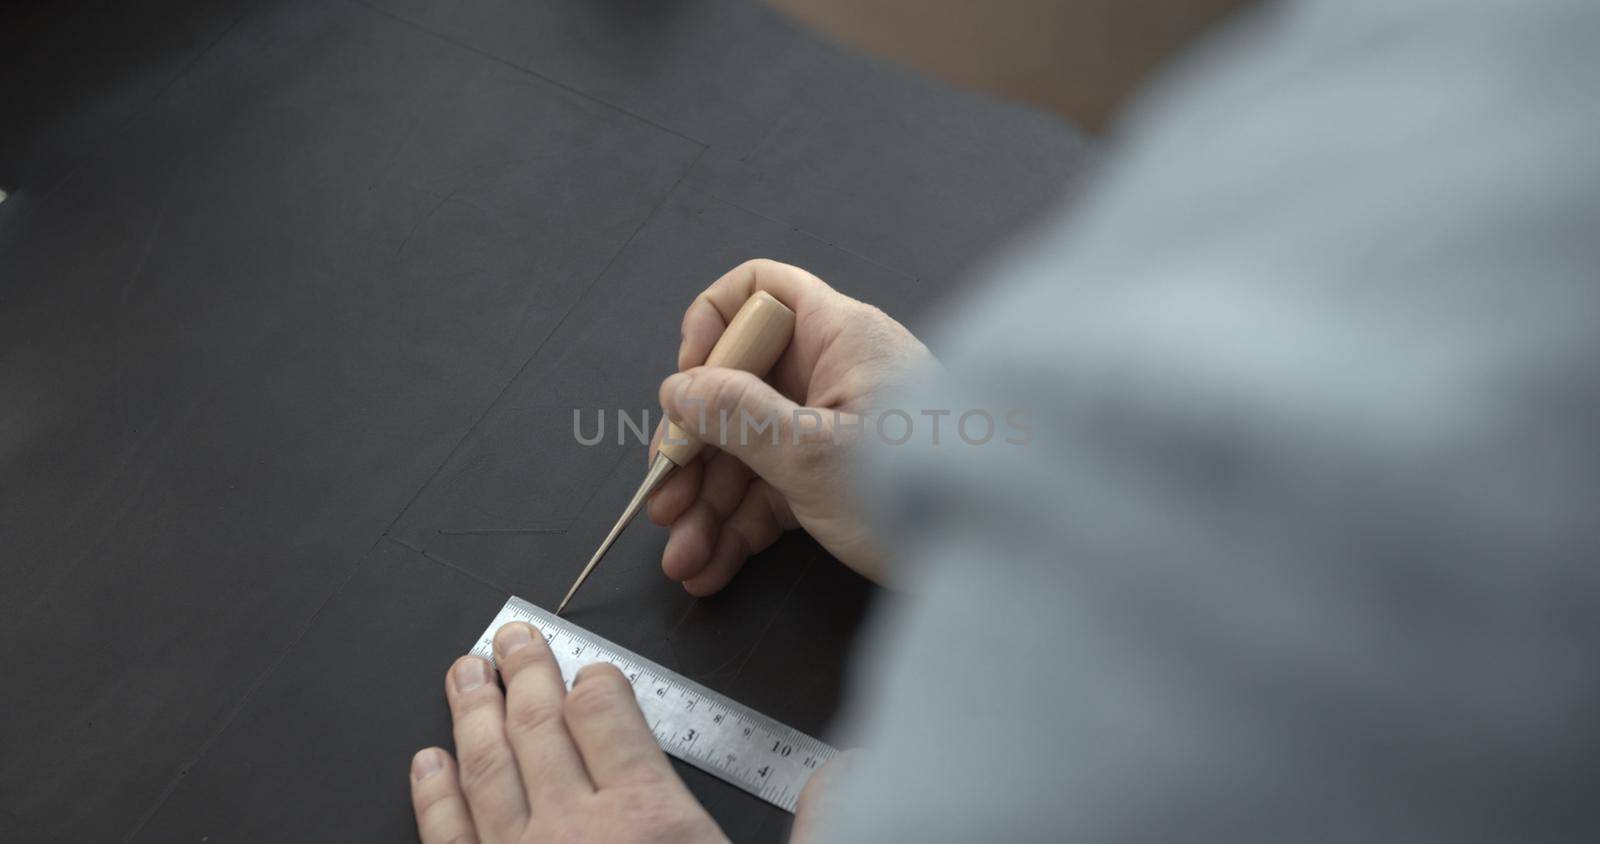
527,714
604,672
482,765
703,298
532,654
652,776
464,704
431,798
604,693
726,394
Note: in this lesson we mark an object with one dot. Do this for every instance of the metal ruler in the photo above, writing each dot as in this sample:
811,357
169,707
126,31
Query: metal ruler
708,730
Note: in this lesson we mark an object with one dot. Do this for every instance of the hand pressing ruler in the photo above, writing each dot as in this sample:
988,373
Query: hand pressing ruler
708,730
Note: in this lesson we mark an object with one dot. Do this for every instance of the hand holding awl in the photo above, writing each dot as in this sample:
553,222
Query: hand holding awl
753,342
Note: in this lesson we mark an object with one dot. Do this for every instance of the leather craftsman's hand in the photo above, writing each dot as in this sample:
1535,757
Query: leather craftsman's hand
737,498
539,764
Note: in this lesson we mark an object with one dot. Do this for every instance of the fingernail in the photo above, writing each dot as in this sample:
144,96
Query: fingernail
471,673
427,763
512,638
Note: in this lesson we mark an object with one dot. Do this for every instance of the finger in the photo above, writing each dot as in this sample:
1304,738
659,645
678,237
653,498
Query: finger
714,476
734,411
551,770
721,489
724,482
708,315
678,491
751,529
690,543
488,776
703,325
723,485
762,517
604,718
437,801
725,561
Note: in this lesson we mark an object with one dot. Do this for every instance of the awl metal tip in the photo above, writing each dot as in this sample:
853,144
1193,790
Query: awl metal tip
659,469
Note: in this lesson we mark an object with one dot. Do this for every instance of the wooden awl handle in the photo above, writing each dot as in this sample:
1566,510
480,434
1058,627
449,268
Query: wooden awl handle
753,342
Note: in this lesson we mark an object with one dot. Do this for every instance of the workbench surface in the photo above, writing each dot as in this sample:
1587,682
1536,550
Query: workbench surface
297,300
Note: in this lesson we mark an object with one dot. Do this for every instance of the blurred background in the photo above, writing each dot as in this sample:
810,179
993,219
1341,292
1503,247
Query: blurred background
296,300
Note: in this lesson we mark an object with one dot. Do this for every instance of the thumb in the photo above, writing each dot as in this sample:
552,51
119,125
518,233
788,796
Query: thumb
734,411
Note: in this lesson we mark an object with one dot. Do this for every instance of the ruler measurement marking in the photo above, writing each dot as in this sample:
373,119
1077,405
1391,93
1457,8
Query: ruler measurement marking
748,750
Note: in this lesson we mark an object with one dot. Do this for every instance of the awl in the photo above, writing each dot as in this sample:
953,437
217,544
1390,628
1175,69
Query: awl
753,342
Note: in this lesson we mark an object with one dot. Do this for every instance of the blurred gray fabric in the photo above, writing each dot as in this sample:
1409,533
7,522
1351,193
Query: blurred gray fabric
1305,544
